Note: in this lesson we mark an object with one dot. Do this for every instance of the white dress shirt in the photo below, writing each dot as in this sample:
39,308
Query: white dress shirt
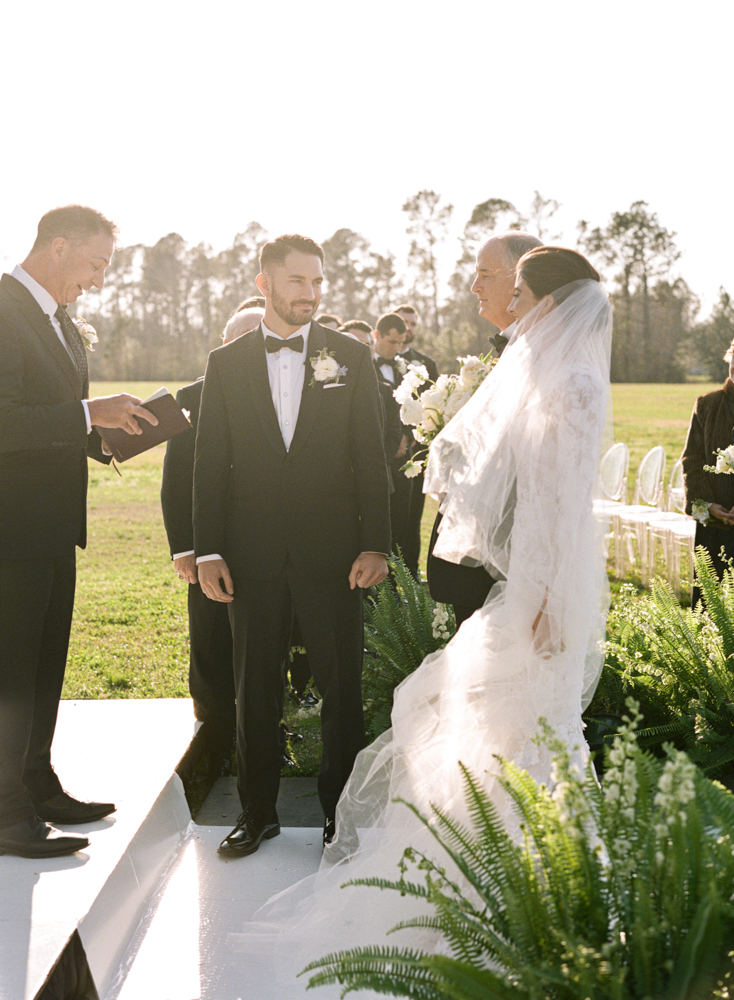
387,369
286,374
49,305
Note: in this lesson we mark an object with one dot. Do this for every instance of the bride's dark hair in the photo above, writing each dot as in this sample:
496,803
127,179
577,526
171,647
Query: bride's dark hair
546,269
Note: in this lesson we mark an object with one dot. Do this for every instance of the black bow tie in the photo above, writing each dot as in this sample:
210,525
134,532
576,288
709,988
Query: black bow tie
273,344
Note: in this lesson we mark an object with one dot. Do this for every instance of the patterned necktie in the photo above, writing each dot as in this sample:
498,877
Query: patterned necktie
273,344
72,338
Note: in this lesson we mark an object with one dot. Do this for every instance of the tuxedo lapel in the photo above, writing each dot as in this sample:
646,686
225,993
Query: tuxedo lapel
41,327
256,373
311,396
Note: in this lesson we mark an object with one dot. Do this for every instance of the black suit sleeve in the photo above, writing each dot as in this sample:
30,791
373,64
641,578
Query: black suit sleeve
28,424
368,461
212,462
178,477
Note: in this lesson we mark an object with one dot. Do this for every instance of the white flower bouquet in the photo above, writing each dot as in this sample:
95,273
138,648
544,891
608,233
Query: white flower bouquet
428,406
724,461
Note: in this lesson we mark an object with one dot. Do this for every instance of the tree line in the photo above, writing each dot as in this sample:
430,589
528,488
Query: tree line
163,307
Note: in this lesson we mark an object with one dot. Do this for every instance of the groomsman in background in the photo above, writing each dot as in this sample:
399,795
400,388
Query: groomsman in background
466,587
389,337
411,543
47,430
211,677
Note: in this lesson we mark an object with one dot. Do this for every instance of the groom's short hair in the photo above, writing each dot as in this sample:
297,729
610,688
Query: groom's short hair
275,252
516,244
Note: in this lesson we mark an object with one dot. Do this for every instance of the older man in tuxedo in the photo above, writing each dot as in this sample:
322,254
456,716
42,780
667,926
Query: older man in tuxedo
466,587
291,517
47,430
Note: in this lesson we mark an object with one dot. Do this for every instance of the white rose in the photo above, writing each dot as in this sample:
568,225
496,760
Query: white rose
412,411
418,373
404,391
472,372
325,368
444,381
455,402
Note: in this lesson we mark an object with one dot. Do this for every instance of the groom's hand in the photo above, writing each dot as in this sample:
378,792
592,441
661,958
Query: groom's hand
215,580
368,569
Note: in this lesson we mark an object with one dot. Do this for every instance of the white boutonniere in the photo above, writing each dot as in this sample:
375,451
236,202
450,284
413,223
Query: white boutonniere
724,461
86,332
700,511
326,369
401,364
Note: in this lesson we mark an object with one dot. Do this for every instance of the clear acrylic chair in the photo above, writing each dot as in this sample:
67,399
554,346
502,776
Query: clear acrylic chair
630,520
675,531
613,470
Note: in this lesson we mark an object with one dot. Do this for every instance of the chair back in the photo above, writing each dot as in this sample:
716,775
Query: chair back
613,472
649,479
676,491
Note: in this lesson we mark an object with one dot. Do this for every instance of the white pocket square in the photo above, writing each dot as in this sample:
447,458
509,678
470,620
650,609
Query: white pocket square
335,385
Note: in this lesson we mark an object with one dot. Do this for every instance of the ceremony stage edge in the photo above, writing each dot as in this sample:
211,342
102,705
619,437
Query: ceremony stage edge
151,901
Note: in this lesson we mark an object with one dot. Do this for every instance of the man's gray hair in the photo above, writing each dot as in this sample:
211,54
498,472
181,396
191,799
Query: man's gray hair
242,322
517,243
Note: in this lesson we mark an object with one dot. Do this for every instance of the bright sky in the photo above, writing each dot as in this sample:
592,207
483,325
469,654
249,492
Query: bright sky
311,116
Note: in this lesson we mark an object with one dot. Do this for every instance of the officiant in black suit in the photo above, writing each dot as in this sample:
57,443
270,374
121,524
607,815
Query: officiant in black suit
47,430
291,517
466,587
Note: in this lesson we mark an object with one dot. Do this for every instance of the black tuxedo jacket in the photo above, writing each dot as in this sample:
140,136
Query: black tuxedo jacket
43,434
178,475
318,504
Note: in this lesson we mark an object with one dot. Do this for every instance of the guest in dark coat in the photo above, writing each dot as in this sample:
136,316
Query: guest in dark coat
712,427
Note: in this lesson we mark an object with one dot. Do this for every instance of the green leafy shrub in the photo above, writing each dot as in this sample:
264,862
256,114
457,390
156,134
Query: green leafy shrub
618,892
679,664
401,629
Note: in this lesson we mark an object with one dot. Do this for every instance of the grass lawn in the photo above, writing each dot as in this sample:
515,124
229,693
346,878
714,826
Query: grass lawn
130,634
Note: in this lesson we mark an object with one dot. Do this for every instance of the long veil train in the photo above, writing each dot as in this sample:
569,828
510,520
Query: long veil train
517,469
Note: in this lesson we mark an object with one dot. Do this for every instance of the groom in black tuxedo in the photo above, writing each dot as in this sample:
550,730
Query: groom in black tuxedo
291,519
47,430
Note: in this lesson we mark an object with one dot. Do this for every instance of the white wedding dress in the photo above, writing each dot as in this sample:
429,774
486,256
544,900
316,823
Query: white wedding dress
517,469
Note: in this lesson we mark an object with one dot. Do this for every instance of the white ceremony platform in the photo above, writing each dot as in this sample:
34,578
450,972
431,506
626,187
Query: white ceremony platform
151,900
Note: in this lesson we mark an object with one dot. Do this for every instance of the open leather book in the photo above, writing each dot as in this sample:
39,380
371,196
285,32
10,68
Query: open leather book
171,421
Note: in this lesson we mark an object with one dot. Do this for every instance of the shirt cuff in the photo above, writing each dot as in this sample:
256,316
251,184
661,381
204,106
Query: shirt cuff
201,559
89,422
180,555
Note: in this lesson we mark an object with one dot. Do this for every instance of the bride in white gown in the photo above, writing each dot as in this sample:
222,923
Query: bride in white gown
516,470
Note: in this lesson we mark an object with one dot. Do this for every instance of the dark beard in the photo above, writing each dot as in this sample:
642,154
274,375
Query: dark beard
286,310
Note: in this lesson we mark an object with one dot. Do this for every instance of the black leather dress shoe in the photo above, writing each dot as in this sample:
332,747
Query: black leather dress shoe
329,831
246,837
63,808
35,839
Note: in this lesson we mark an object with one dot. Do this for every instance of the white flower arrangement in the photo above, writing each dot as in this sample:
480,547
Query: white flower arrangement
86,332
326,369
700,511
440,623
724,461
428,406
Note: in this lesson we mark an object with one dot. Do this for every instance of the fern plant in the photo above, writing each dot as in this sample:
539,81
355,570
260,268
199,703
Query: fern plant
618,892
403,624
683,660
